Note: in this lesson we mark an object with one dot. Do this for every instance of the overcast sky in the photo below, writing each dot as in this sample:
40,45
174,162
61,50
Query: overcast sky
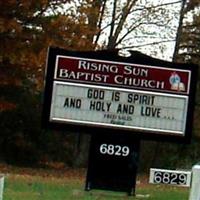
163,50
154,33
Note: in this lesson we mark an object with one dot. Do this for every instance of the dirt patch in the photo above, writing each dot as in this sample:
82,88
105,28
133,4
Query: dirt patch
44,172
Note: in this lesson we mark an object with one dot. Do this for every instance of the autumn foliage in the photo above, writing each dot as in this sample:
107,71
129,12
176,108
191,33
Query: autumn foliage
27,29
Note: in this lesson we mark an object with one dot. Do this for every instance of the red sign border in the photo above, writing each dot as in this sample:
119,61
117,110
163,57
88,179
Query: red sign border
125,86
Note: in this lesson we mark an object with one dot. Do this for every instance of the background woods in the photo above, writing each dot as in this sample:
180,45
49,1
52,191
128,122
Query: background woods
27,28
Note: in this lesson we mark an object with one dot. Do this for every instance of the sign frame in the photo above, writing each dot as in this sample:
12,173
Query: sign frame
112,56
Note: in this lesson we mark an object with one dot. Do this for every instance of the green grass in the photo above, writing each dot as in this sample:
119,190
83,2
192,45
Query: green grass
26,187
163,192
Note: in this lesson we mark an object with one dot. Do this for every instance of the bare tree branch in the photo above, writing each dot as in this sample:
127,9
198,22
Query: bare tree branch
100,22
178,35
113,19
148,44
125,11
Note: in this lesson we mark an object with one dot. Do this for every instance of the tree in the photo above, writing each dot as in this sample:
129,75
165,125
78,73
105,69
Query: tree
136,24
27,28
130,24
188,46
188,50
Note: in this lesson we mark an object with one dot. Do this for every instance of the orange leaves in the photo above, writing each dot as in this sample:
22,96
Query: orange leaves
10,25
7,4
4,105
27,28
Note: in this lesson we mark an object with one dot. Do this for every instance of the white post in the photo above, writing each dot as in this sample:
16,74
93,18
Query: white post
195,186
1,186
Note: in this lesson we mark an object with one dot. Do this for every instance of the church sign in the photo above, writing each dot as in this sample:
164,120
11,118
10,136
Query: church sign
93,90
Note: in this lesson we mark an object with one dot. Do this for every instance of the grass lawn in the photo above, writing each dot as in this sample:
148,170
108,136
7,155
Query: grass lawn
70,186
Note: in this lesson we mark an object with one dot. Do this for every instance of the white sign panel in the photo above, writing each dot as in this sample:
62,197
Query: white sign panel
118,108
172,177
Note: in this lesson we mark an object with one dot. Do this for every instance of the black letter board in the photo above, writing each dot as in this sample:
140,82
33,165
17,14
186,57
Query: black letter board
102,91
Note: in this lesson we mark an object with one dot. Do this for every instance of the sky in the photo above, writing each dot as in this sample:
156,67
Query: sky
142,38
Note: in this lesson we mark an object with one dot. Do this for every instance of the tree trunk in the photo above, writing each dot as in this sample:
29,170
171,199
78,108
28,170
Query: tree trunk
179,31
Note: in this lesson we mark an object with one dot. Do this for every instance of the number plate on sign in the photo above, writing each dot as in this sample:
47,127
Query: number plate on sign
172,177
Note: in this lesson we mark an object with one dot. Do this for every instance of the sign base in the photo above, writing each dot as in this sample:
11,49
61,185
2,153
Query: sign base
113,163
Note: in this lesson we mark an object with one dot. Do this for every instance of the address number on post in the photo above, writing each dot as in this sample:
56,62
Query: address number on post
117,150
172,177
